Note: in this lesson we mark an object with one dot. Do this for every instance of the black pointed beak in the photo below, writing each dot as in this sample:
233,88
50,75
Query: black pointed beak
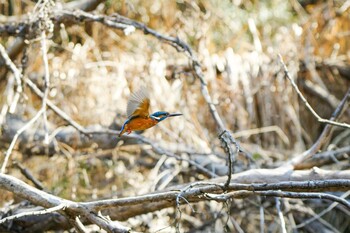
174,114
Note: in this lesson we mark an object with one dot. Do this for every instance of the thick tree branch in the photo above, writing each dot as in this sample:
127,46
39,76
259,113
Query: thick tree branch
265,182
324,158
47,200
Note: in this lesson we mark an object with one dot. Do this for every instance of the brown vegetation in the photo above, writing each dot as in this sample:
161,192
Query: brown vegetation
218,63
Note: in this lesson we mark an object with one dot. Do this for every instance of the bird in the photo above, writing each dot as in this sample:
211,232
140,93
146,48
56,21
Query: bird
139,117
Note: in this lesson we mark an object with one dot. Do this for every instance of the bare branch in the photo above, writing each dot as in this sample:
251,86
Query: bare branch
252,180
227,140
323,158
47,200
16,72
262,217
29,176
323,212
279,193
18,77
79,226
305,195
278,184
301,96
327,129
323,136
33,213
280,215
14,140
46,84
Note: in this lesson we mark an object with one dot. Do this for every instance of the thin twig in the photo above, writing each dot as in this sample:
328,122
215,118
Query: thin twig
27,125
15,138
79,226
301,195
181,195
46,84
29,175
280,215
33,213
42,13
279,193
262,217
326,157
227,140
57,110
303,99
327,129
16,72
323,212
323,136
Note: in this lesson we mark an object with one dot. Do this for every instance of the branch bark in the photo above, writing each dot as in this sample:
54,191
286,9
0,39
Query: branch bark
315,180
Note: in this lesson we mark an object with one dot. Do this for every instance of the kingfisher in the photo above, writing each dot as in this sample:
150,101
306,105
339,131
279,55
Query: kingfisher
139,117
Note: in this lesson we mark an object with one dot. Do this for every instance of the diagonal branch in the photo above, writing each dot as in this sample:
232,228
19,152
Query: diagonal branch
55,203
15,138
303,99
295,162
32,213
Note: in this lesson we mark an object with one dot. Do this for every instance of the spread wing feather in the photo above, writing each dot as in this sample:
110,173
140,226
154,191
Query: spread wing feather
138,104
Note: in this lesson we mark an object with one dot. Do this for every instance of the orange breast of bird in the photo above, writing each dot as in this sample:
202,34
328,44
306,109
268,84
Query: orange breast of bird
140,123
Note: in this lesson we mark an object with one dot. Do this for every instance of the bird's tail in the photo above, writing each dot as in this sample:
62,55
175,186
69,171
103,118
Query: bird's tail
123,129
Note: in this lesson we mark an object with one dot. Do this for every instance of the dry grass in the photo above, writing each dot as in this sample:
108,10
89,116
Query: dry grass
94,69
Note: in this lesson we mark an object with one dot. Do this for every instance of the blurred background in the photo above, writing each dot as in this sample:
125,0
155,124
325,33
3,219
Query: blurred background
94,69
